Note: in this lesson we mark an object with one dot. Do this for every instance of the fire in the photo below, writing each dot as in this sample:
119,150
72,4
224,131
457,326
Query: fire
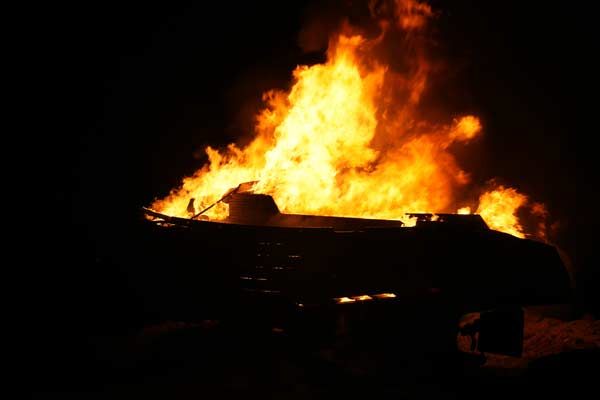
498,208
342,300
466,128
385,295
464,210
349,139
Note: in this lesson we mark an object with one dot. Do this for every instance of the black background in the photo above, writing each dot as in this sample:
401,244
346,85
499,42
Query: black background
127,96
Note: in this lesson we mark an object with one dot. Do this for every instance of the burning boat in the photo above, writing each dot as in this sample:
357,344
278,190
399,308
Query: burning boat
275,269
330,232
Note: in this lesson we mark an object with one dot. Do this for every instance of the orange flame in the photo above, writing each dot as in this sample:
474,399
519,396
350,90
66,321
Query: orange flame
498,208
385,295
342,300
348,140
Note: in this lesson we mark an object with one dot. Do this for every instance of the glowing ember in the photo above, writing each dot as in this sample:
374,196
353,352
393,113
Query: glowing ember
350,140
362,297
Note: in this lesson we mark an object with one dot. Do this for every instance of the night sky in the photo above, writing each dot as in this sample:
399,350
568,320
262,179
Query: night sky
133,93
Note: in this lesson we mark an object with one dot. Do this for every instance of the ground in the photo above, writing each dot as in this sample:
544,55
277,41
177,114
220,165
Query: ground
206,359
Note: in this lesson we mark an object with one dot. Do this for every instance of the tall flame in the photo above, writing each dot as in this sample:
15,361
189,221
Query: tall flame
348,140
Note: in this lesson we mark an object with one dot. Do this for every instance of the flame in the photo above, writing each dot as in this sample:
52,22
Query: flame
464,210
342,300
498,208
349,139
466,128
385,295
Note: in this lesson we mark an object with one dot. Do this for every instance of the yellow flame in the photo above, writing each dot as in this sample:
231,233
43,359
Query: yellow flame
466,128
315,153
348,140
498,208
384,295
341,300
